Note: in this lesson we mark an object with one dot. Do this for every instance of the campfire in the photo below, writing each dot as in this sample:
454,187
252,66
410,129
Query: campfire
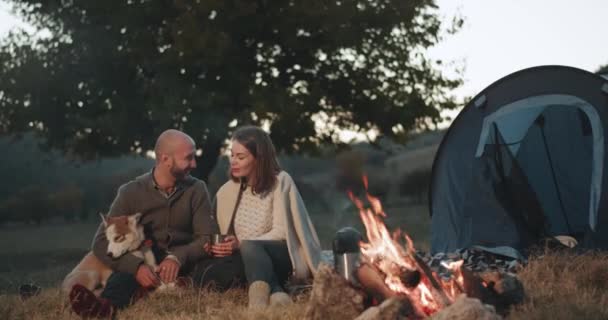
404,272
391,274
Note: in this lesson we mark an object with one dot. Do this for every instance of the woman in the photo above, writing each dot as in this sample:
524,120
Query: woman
263,213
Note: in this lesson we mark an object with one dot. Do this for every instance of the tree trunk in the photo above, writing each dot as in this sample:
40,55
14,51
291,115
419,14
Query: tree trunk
207,161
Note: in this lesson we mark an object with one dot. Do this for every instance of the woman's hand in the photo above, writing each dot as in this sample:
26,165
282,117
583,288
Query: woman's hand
226,248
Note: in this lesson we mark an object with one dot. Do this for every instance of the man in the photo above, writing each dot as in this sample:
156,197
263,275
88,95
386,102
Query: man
177,213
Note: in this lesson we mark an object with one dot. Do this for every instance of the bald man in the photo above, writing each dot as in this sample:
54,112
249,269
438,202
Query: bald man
176,215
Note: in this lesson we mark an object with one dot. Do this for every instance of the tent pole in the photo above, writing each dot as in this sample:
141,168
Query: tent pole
540,121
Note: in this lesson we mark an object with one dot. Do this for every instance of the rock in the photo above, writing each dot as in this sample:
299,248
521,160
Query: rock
387,310
465,308
333,297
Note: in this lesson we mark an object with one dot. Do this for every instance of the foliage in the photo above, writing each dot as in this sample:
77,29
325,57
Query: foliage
106,77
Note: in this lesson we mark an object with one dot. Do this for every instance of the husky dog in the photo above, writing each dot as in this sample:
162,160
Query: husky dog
125,235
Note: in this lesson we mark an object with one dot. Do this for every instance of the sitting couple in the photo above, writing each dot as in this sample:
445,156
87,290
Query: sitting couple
269,234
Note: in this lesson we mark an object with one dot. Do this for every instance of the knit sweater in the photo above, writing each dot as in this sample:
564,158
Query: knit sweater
300,235
254,219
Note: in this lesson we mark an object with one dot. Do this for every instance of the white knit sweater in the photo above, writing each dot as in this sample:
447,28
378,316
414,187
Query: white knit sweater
254,219
302,240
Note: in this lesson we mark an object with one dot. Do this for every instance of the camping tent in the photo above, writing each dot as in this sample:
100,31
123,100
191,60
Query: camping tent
524,160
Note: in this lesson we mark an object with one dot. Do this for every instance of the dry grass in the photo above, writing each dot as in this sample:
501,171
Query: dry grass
188,304
558,286
565,286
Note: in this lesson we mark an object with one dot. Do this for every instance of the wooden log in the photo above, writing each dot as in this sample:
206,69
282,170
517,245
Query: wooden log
372,281
436,289
498,289
506,287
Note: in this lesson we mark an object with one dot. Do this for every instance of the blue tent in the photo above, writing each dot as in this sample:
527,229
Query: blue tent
525,160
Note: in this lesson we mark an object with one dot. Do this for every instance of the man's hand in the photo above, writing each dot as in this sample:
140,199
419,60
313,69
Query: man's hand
225,248
146,277
168,270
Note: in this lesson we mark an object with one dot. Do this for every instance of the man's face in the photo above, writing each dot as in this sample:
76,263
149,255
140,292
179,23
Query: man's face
182,162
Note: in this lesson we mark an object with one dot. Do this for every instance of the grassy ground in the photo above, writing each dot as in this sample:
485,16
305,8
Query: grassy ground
565,286
558,285
41,255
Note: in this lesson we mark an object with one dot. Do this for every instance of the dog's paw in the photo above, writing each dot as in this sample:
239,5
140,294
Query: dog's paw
167,287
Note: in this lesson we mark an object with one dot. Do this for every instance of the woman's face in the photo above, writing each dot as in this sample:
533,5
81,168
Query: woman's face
242,162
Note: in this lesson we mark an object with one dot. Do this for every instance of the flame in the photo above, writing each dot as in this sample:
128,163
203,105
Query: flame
385,251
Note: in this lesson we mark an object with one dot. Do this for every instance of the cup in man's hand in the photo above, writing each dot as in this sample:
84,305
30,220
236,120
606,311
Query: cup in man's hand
217,238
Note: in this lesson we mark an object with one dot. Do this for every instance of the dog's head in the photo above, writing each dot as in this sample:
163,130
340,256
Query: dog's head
124,234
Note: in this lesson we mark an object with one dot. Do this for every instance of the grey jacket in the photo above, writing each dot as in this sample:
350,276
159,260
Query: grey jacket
176,224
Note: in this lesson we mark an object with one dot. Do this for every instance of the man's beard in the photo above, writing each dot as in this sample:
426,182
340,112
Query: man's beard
177,173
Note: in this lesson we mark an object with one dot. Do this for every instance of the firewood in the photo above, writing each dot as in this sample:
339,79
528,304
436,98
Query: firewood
372,281
506,286
436,289
496,288
333,297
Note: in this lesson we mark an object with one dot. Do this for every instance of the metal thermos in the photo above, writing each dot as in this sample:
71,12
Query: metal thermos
347,253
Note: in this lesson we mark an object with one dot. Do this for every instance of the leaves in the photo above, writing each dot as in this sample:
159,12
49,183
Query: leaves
112,75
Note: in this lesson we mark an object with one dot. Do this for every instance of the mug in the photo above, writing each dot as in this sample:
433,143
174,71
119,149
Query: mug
217,238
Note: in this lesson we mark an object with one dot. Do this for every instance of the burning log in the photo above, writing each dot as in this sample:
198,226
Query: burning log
436,289
372,281
501,290
506,285
333,297
498,289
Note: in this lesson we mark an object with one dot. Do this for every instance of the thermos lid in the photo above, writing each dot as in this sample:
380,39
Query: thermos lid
347,240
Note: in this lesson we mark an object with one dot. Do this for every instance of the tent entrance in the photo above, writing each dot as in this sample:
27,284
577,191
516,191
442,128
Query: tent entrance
551,139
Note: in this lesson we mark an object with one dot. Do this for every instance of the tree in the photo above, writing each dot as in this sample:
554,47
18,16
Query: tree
109,76
603,69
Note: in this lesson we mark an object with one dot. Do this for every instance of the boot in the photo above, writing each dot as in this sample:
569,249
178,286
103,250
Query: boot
279,299
87,305
259,293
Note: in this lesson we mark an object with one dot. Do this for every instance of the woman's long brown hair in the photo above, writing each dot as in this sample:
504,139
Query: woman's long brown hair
267,167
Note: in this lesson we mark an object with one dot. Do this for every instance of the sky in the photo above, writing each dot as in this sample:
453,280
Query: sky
501,37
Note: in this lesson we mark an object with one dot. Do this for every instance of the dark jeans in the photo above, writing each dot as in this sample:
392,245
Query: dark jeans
266,260
219,273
